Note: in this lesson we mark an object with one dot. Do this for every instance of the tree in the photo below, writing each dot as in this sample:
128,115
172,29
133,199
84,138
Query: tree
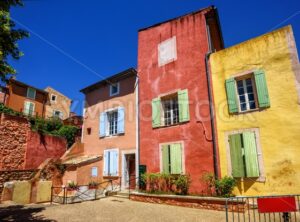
8,39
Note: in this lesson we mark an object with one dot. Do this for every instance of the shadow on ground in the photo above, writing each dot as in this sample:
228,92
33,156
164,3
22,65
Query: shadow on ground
21,213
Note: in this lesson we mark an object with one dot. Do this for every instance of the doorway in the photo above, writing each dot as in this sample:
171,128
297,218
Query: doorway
129,171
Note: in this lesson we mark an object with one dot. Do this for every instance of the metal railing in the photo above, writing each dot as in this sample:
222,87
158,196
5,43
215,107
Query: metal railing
283,208
67,195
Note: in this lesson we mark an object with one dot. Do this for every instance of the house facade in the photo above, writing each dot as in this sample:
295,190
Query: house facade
256,99
58,104
174,117
108,149
25,98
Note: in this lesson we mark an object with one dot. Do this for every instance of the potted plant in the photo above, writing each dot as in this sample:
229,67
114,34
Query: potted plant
72,186
93,185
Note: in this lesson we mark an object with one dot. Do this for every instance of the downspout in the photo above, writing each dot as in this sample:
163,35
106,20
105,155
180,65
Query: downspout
211,105
137,133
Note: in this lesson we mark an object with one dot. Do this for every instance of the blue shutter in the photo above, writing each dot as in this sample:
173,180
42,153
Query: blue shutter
121,120
102,124
106,160
114,163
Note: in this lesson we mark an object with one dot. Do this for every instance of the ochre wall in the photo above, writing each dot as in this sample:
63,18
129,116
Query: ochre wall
187,72
98,101
279,125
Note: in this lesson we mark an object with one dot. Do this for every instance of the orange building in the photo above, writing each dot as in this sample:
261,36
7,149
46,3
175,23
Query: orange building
25,98
108,149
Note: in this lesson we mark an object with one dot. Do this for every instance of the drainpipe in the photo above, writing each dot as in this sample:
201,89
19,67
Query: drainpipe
211,105
137,156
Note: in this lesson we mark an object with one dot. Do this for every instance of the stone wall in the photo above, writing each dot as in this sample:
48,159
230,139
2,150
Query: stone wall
10,175
13,137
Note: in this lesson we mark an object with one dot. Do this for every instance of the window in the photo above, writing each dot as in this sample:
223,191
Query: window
31,93
58,114
29,108
170,110
171,113
53,98
111,162
167,51
112,122
248,92
114,89
89,131
171,158
244,154
94,172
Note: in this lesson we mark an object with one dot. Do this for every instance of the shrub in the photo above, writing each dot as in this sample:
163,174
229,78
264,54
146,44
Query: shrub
225,186
182,184
73,185
69,133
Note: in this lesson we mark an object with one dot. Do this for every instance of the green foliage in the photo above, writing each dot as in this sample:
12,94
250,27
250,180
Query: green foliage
8,39
73,185
61,167
45,126
69,133
165,183
93,184
6,110
225,186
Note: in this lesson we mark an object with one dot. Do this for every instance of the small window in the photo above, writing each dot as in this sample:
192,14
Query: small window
246,94
58,114
89,131
53,98
31,93
29,108
94,172
167,51
114,89
172,158
170,110
112,123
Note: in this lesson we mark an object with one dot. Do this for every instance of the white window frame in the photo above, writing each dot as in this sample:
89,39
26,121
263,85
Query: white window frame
59,116
262,177
54,101
27,94
243,79
108,150
163,119
111,87
182,154
25,106
92,171
108,112
172,44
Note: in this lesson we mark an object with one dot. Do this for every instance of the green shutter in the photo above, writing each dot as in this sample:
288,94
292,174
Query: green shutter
183,105
156,112
236,155
176,159
262,89
165,159
251,161
231,95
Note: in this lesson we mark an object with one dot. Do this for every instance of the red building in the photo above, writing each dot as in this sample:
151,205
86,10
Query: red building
175,125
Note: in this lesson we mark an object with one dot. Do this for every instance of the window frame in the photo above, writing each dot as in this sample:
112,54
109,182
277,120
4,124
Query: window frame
26,101
118,162
173,42
111,87
92,168
262,176
182,154
53,101
173,96
27,93
56,110
109,112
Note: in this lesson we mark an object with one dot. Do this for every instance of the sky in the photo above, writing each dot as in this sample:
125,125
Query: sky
75,43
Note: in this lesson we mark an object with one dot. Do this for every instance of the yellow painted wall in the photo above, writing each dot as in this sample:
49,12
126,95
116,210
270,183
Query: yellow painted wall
43,191
21,192
279,125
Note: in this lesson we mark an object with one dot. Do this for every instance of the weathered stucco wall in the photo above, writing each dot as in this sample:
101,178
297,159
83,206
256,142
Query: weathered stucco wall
279,125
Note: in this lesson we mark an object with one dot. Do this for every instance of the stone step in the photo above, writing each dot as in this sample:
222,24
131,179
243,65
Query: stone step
121,196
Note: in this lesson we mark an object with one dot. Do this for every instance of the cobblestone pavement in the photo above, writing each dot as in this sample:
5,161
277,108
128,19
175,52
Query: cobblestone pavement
109,210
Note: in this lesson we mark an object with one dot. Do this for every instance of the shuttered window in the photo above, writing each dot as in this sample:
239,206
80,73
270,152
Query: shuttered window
112,122
111,163
170,109
243,154
172,158
31,93
247,93
29,108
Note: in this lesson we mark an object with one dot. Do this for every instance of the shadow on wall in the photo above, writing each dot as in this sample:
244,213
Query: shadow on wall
21,213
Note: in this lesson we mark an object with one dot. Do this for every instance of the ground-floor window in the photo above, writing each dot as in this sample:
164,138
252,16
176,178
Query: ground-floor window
171,158
245,154
94,171
111,162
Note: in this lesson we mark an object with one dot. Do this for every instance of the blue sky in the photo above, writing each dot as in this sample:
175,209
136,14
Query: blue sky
75,43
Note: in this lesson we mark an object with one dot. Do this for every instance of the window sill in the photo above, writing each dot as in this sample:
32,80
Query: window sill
249,111
111,177
170,126
112,136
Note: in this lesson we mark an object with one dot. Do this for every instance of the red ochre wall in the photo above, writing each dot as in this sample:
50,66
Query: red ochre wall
187,72
40,148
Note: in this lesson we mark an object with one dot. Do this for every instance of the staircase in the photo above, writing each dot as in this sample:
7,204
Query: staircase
122,194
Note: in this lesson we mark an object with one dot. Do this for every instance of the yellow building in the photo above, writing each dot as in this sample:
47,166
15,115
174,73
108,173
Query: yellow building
256,87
